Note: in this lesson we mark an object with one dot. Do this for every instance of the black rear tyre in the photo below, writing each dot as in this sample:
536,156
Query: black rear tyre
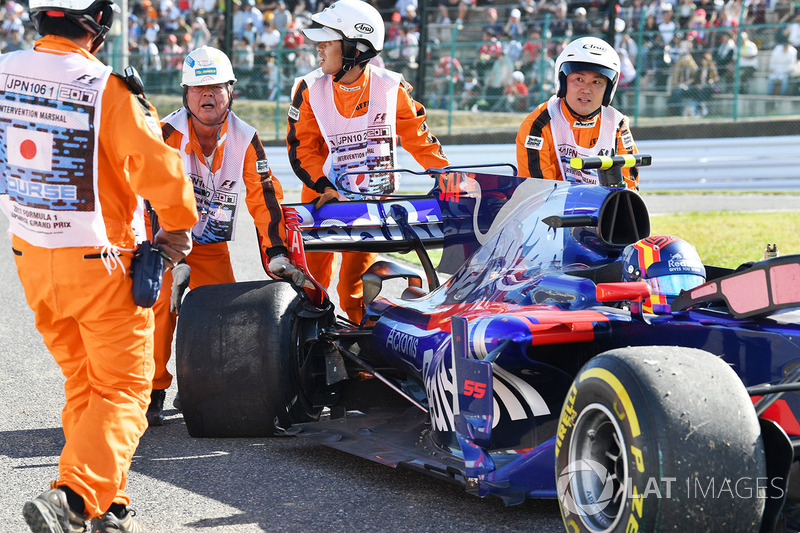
240,360
659,438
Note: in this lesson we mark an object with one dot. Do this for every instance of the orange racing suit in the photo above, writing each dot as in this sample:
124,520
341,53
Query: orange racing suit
81,295
210,262
308,152
537,153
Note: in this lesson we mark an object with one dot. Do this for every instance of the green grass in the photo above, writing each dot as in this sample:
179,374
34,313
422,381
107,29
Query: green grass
721,238
730,239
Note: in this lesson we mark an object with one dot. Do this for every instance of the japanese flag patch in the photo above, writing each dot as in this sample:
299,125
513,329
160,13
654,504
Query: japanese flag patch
294,113
262,166
30,148
533,143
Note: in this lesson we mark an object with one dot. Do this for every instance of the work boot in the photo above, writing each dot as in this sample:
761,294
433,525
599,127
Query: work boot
155,411
50,513
115,524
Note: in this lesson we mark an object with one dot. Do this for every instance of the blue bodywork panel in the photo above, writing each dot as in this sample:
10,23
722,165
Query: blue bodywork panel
492,352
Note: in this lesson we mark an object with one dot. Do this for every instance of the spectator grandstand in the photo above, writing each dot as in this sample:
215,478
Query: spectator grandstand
486,41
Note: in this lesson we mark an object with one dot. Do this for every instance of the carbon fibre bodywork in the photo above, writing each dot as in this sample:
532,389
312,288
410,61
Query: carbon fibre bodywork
489,356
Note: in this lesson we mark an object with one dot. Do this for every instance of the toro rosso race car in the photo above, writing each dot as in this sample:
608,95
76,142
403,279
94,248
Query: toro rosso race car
534,370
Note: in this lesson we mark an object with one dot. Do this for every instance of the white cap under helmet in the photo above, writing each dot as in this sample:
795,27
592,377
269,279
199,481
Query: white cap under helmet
206,66
588,53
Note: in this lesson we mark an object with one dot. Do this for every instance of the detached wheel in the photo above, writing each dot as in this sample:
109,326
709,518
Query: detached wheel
659,438
242,361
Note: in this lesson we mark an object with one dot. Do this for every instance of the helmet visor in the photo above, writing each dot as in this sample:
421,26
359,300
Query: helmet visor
578,66
672,285
322,34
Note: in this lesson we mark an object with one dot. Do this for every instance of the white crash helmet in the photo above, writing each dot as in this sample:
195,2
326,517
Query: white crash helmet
82,13
357,24
206,66
588,53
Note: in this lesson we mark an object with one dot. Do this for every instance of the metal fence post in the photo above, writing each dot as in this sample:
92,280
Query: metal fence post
545,37
638,83
737,72
451,88
279,61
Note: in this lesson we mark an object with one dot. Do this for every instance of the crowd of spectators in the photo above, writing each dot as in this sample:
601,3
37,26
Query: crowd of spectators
160,34
506,52
16,28
689,49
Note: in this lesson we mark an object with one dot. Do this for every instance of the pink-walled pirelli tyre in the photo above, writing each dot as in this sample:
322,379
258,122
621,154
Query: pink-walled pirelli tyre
240,360
659,438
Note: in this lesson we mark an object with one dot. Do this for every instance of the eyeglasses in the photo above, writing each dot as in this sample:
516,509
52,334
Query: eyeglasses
216,89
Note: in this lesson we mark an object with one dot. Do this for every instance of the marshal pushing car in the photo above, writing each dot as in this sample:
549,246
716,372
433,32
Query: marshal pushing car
570,355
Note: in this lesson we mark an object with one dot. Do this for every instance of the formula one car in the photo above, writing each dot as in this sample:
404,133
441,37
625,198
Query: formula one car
534,371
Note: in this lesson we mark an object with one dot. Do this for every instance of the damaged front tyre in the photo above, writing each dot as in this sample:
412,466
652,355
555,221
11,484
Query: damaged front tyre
242,362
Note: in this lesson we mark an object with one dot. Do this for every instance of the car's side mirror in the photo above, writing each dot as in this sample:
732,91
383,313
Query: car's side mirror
762,289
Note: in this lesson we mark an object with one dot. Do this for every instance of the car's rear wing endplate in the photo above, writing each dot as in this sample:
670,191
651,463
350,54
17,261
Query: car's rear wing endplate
368,225
760,290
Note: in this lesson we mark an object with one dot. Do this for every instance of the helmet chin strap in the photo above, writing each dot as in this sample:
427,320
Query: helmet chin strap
583,117
224,117
97,23
222,121
344,70
352,57
98,40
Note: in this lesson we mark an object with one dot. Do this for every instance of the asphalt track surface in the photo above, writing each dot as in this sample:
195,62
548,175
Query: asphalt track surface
179,483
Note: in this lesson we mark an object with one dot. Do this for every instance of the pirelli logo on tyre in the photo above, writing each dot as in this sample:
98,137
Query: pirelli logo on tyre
568,416
533,143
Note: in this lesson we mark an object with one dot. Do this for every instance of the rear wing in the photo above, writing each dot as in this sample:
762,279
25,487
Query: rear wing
370,225
398,222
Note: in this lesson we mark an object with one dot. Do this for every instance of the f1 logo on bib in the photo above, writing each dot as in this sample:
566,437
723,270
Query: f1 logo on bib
29,148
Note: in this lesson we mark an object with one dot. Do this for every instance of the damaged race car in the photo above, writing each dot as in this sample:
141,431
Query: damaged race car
570,354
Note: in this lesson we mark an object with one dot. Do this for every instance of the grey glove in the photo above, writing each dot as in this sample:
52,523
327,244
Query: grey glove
176,244
281,266
180,281
327,196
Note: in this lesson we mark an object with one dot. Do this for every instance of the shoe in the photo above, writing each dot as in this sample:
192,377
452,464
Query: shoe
111,522
155,411
176,403
50,513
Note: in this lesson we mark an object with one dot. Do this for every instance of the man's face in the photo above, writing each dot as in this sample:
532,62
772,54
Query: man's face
208,102
329,56
585,90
